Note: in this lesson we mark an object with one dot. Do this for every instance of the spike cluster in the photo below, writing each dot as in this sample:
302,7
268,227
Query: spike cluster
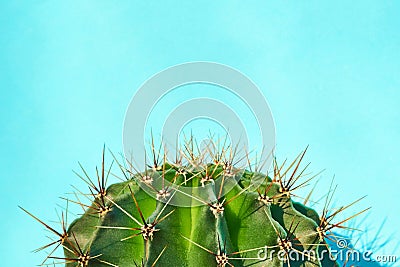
126,226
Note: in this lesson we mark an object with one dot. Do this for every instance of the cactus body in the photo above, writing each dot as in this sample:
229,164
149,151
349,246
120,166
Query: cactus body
231,216
247,226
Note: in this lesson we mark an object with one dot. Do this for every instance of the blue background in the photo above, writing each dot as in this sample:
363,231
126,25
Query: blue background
68,70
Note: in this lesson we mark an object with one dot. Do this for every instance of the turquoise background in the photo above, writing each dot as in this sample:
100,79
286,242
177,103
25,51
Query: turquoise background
68,70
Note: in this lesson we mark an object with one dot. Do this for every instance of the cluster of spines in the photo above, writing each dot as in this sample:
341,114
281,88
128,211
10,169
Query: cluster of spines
102,203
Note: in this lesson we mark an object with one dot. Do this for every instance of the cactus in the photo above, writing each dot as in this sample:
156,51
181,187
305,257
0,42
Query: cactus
247,225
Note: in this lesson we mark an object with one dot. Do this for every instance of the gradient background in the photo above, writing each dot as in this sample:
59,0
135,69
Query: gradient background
69,69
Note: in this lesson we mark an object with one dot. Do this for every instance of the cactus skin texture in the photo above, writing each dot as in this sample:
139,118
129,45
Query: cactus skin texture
125,226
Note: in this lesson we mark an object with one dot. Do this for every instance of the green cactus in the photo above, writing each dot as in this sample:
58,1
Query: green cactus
246,225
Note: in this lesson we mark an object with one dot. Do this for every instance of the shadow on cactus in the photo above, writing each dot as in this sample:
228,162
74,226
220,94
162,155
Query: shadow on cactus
135,223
